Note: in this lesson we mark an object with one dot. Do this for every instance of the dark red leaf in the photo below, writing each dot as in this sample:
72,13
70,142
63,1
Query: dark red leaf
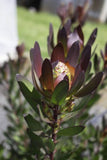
91,86
58,53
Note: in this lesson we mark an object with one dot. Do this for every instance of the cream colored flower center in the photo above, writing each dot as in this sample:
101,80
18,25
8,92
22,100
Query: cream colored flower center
61,68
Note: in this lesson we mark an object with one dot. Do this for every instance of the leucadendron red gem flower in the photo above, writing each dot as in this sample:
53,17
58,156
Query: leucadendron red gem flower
70,67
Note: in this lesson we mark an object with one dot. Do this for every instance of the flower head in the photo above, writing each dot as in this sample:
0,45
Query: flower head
70,67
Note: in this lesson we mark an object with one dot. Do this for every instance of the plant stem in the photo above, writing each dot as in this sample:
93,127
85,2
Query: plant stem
54,129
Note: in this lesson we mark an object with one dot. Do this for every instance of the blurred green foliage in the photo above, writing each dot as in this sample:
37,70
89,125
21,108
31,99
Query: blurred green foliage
34,26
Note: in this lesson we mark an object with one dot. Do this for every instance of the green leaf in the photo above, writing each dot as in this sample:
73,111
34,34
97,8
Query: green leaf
49,145
33,124
29,92
60,93
44,119
71,131
36,142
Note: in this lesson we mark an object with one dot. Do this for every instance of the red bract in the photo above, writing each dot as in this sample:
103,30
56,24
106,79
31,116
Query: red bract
66,66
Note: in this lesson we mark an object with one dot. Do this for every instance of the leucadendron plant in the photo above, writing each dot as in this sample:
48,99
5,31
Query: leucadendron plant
58,83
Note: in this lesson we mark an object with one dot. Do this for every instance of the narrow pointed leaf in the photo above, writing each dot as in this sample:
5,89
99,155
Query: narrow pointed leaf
92,37
58,53
60,93
91,86
71,131
32,123
29,92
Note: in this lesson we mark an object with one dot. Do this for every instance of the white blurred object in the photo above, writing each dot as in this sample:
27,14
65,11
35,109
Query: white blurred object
98,10
8,29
